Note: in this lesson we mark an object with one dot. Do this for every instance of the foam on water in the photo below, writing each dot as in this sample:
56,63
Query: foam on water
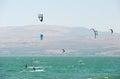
106,77
89,78
35,67
37,70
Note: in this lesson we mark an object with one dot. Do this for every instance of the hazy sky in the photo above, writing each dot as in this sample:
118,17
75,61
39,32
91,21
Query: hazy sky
100,14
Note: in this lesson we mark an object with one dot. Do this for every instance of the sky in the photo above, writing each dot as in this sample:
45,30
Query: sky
99,14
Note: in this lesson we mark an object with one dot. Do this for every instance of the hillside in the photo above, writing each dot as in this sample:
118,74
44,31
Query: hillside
24,40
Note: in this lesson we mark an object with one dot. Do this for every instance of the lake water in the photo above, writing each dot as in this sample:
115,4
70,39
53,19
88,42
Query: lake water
59,67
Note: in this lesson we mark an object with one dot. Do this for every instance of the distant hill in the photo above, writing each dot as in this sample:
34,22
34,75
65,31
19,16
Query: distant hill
24,40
